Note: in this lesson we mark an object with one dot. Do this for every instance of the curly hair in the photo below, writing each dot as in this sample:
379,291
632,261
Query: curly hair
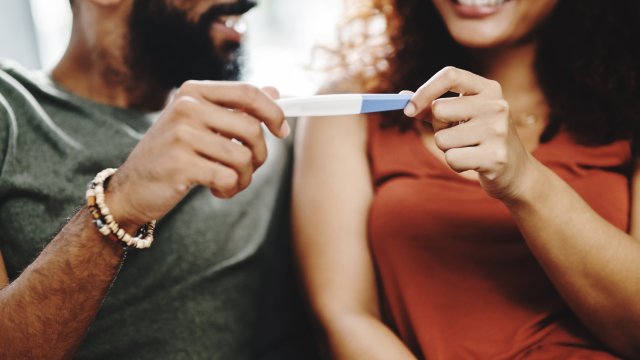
587,62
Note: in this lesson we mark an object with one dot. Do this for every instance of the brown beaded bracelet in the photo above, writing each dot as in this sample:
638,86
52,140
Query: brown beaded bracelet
103,220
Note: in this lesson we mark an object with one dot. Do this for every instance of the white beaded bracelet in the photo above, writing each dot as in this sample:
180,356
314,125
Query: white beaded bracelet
104,221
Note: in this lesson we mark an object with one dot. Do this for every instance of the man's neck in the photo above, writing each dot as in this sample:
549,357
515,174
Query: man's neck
106,78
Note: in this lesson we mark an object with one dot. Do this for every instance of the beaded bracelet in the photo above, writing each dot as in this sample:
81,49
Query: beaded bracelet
103,220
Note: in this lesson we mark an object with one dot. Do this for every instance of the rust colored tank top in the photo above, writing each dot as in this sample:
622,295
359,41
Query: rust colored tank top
456,277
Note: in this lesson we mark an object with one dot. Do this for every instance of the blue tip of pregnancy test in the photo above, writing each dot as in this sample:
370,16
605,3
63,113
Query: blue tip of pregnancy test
384,102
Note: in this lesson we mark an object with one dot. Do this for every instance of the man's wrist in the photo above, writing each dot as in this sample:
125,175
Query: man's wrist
120,209
105,221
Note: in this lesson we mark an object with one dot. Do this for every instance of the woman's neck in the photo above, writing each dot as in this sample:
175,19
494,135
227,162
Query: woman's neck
513,67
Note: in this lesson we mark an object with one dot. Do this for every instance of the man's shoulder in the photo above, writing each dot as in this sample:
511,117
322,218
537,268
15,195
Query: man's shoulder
18,82
16,92
24,92
8,81
21,94
10,89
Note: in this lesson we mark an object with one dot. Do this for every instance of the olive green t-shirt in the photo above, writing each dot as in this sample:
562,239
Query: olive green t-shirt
197,292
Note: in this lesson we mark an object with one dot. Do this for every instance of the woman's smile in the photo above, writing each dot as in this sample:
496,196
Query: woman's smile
486,24
478,8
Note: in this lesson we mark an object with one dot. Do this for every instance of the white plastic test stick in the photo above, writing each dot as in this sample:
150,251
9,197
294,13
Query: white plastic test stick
342,104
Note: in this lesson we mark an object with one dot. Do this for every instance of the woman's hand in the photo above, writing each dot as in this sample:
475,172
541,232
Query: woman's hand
210,134
475,130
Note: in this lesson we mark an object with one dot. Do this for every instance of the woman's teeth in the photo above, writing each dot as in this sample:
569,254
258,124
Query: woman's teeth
481,2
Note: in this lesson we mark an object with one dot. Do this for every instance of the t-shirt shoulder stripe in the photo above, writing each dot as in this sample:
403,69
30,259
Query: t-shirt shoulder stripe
8,132
11,87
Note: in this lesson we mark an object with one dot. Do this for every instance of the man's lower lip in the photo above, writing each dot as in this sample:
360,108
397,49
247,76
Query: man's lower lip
476,11
225,33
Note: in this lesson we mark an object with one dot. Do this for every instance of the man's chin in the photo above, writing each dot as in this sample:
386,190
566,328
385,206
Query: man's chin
231,73
233,60
169,50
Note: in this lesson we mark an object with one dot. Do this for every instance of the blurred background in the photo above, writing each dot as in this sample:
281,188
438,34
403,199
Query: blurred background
281,37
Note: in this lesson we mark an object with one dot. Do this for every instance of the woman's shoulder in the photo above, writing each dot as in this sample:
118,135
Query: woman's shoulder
342,130
342,84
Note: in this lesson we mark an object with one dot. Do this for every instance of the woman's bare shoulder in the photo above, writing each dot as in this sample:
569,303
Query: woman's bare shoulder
341,85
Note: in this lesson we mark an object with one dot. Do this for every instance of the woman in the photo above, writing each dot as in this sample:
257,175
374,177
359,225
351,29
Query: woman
500,223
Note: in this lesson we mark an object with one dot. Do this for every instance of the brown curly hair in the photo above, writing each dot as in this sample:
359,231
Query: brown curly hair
588,60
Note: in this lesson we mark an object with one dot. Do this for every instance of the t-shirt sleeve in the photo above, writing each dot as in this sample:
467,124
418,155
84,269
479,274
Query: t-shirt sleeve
8,122
5,136
7,131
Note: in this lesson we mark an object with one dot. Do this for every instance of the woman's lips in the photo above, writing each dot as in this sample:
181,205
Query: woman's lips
477,8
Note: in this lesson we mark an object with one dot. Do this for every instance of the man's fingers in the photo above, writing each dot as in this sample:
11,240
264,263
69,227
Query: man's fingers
231,124
272,92
219,149
222,180
449,79
242,127
231,154
244,97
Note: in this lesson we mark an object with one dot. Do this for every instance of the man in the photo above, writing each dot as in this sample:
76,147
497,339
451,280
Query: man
200,290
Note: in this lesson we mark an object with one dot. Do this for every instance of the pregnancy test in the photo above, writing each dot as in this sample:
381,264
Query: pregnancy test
342,104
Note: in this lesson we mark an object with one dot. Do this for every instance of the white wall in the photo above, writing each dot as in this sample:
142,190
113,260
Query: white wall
17,36
53,28
281,37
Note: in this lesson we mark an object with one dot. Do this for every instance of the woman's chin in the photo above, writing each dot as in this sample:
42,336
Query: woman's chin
478,40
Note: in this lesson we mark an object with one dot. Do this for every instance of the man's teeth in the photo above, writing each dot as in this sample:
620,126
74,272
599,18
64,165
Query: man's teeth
233,22
482,2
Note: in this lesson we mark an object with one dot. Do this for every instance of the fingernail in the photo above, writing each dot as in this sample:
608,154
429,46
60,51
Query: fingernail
410,109
285,129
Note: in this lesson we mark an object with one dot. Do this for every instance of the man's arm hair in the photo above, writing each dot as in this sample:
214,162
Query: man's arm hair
4,279
46,311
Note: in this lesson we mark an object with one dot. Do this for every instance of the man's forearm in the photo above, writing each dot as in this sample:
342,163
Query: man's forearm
46,311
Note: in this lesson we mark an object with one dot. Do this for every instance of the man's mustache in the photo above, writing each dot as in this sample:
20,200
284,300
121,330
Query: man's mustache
236,8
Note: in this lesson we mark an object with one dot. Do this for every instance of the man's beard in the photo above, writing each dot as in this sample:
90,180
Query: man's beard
169,49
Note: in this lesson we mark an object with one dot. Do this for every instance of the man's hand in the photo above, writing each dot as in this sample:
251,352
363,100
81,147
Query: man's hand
210,134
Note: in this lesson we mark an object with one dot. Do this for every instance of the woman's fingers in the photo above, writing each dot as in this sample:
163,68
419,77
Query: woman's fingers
474,129
483,159
450,79
468,134
464,108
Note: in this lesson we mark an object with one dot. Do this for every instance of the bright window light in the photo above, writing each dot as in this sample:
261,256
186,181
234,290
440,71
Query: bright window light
281,36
